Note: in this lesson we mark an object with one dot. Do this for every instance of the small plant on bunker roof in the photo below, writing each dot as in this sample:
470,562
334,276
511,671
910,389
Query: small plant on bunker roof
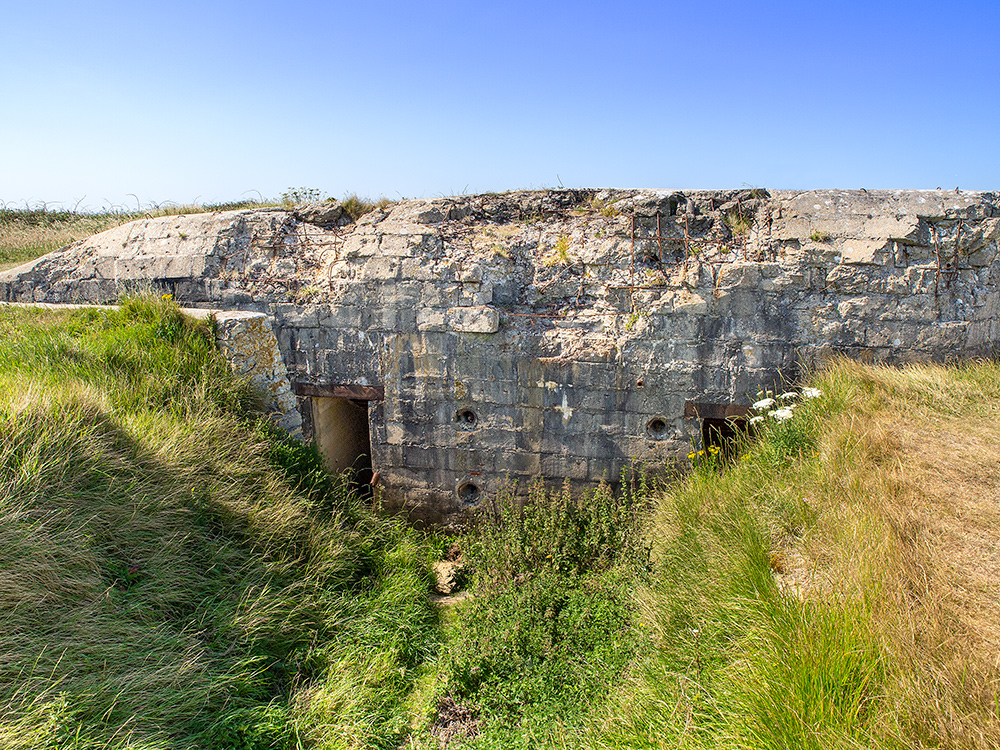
294,196
356,207
819,235
605,207
562,249
738,222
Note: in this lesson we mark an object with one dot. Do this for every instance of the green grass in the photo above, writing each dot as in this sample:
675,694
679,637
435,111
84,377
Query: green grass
551,620
172,576
737,660
177,575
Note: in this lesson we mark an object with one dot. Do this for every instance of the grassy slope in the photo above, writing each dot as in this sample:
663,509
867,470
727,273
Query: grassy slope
165,585
837,588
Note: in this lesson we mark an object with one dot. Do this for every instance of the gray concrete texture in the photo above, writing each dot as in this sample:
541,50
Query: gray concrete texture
542,332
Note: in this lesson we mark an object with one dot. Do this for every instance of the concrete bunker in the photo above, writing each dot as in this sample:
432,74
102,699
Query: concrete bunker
553,333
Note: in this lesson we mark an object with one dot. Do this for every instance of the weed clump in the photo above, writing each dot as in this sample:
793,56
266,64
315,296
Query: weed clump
550,621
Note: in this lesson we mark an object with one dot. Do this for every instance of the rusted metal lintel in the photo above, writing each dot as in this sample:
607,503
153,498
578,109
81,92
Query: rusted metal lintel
695,410
356,392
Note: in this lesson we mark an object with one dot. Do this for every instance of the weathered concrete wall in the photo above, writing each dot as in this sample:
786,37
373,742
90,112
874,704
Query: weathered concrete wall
247,340
563,332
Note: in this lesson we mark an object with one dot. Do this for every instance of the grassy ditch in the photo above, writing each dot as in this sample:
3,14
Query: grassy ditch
551,622
173,577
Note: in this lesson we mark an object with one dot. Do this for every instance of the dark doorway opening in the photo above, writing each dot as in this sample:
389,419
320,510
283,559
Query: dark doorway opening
343,438
728,435
341,428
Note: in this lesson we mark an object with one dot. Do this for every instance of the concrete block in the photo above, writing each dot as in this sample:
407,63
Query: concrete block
560,466
740,275
848,279
519,463
429,319
441,295
473,319
691,303
864,252
909,229
942,337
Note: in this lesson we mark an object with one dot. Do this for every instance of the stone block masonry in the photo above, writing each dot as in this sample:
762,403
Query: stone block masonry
562,332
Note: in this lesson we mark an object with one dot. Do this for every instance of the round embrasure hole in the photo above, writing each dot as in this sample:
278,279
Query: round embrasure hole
466,418
468,493
657,428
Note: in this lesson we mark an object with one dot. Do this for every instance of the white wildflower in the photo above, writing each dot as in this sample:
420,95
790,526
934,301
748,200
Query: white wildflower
758,418
788,395
765,403
782,415
812,392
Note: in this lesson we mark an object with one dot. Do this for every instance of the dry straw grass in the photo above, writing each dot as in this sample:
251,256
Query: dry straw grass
23,238
943,580
909,513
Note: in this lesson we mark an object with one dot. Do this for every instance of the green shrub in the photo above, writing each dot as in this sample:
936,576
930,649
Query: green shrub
550,622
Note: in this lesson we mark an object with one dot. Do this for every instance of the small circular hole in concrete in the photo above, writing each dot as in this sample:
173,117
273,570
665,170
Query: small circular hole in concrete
466,418
468,493
657,428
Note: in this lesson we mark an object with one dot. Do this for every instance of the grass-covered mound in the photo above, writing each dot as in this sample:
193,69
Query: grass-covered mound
172,575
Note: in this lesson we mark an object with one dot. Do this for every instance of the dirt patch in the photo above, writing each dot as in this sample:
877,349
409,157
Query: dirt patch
455,721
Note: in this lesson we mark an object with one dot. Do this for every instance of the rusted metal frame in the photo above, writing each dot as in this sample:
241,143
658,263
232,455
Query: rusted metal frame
659,240
941,271
340,390
659,237
695,410
954,255
631,280
687,239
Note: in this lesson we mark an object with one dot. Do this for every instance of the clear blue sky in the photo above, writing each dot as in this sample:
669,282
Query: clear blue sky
208,100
